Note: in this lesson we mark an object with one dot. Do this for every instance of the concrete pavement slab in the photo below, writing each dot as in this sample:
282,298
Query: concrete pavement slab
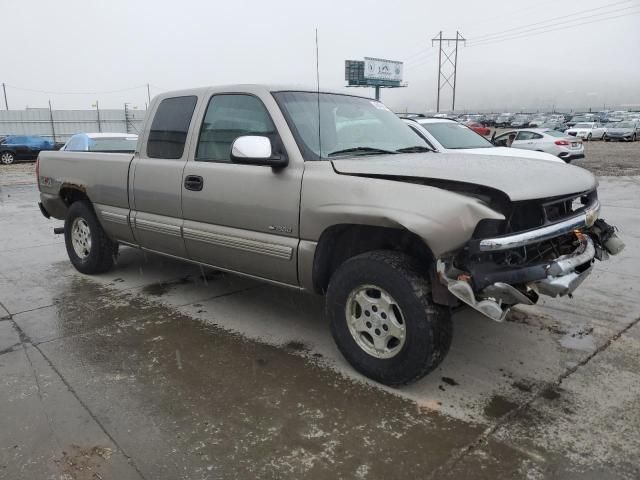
45,431
193,401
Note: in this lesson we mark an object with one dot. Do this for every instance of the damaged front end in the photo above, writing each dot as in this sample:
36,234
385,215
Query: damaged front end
544,247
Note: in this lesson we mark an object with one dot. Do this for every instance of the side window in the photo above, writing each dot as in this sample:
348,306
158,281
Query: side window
228,117
535,136
170,126
525,136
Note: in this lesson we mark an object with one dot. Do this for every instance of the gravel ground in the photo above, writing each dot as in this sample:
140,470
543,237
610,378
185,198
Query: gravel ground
611,158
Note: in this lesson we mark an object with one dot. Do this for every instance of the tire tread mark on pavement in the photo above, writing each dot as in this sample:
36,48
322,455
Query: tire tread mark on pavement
25,340
482,438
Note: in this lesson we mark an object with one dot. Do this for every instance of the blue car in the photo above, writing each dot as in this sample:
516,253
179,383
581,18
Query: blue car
23,147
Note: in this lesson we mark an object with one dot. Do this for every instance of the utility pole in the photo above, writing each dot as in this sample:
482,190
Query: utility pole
126,117
4,89
148,94
448,51
97,105
53,128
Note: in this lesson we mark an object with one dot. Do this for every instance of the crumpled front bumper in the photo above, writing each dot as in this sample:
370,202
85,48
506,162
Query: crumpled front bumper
492,291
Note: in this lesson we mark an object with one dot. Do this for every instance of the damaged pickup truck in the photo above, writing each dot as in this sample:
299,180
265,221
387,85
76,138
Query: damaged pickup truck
333,194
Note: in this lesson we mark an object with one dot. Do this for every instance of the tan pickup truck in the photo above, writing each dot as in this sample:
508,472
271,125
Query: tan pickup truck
333,194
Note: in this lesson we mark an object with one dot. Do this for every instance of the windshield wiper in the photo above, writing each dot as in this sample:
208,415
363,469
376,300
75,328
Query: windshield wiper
414,149
378,151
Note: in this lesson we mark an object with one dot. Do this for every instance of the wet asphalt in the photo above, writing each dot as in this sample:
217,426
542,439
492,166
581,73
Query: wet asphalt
161,370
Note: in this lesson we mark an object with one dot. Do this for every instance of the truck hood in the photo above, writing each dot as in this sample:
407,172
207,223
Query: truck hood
518,178
509,152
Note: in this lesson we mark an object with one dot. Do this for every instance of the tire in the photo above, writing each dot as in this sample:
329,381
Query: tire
427,327
606,139
633,138
589,137
7,158
88,247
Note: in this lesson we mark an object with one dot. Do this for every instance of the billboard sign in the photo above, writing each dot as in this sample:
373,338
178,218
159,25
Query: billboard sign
380,69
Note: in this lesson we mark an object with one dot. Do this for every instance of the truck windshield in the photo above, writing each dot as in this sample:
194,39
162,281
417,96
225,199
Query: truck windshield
345,126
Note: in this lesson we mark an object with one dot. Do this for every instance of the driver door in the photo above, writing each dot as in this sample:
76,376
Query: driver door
240,217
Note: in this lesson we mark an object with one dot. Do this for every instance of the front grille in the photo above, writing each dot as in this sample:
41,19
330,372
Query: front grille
573,134
536,213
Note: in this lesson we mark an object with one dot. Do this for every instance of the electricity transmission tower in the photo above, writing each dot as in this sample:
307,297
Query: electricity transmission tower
446,49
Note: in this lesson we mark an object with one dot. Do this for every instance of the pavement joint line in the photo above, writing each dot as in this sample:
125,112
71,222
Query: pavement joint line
88,410
484,436
8,315
215,297
24,341
32,309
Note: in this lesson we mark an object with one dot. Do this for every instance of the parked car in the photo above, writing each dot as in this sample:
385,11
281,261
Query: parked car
102,142
23,147
242,179
503,120
554,125
628,131
479,128
587,130
446,136
544,140
519,121
581,118
537,121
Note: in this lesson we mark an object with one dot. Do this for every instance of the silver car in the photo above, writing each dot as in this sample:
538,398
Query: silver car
627,131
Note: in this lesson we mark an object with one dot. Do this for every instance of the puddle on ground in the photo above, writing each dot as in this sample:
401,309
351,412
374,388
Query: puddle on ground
499,406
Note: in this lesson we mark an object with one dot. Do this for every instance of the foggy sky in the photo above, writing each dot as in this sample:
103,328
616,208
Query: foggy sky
90,46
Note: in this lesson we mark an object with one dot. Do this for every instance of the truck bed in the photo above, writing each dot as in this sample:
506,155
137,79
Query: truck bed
104,177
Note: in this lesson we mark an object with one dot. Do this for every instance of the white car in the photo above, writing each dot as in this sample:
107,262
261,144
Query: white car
543,140
450,136
587,130
102,142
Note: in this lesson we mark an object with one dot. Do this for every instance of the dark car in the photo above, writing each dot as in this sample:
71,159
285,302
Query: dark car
23,147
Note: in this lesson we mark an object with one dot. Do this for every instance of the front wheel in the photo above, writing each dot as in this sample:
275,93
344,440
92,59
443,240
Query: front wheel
7,158
88,247
589,136
633,139
383,319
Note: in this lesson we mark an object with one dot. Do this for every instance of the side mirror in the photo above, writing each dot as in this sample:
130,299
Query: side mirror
256,150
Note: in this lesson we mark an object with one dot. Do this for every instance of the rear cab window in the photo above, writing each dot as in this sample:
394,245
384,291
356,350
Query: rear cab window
170,126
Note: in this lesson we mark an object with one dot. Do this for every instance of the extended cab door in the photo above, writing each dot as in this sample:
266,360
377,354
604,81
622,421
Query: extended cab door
156,215
241,217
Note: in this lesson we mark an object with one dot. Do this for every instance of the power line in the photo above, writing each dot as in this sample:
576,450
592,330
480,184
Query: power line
527,35
513,14
76,93
562,17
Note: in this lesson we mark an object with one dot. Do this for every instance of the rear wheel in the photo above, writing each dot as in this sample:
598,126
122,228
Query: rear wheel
7,158
383,319
88,247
